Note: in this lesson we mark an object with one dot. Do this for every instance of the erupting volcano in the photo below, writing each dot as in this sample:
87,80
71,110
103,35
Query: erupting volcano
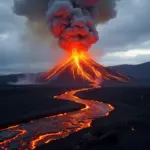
80,64
72,22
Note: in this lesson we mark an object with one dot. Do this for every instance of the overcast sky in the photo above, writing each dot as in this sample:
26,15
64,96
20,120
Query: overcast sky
123,40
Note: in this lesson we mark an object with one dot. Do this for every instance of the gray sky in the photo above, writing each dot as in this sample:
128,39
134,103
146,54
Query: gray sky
123,40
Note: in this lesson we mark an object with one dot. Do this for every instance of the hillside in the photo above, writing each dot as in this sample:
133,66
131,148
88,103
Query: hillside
136,71
141,73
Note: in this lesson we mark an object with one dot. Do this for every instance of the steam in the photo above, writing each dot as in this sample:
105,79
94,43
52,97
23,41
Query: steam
26,80
32,79
72,22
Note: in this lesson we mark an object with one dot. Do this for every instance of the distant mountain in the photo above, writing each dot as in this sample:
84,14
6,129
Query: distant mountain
141,71
141,74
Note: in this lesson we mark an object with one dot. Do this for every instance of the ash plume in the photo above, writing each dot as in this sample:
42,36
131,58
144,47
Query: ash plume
72,22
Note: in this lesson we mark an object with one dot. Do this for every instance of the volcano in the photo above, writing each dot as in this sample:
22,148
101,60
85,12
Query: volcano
79,69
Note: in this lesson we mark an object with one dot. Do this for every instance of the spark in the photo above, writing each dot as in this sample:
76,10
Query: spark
132,129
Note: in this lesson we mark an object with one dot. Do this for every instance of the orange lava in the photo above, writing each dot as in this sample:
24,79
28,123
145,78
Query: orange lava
87,112
45,130
42,137
20,133
70,95
37,140
81,64
12,127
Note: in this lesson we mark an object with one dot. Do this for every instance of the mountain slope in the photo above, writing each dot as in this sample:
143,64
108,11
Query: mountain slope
140,72
135,71
90,69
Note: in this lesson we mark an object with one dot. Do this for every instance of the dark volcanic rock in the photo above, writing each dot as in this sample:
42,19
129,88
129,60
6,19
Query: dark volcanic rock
126,128
24,103
90,141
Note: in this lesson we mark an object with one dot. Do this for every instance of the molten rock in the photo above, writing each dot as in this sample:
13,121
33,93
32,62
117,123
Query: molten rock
80,64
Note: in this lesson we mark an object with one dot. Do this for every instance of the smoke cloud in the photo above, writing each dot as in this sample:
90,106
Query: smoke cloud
72,22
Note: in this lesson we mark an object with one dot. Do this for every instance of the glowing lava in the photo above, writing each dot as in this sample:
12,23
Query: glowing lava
81,65
45,130
42,131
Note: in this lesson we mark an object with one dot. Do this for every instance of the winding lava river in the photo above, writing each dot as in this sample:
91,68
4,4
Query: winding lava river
30,135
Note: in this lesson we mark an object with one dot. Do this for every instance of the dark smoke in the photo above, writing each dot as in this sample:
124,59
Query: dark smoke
71,21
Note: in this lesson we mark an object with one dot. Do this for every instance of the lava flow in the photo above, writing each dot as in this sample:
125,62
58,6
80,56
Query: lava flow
81,65
42,131
73,23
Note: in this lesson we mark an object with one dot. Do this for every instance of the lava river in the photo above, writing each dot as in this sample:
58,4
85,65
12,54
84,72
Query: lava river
45,130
